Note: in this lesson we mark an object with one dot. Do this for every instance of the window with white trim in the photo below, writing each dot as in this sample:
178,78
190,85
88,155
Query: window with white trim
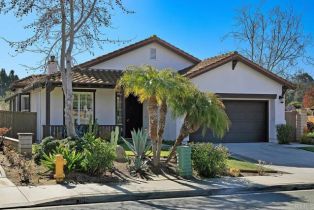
25,103
83,107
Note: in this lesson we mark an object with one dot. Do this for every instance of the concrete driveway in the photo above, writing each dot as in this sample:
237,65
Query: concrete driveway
273,154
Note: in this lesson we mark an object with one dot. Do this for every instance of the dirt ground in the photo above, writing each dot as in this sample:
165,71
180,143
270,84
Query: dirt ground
41,176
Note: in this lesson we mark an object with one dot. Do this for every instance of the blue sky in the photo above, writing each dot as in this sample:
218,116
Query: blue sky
194,26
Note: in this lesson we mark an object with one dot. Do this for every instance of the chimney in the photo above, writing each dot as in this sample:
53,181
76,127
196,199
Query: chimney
52,65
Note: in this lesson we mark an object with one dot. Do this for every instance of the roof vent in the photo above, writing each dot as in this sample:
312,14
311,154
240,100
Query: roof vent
153,53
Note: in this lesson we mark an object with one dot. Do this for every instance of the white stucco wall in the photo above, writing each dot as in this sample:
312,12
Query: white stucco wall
244,80
38,105
164,59
56,106
105,106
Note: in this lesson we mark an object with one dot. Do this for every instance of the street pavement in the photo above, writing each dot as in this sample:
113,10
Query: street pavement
266,200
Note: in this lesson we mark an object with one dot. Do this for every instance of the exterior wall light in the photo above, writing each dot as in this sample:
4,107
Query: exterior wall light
281,99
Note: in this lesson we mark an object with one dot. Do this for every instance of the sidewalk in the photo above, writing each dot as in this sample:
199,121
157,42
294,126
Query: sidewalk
12,196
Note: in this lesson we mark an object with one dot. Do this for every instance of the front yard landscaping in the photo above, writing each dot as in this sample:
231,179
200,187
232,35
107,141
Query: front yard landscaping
94,160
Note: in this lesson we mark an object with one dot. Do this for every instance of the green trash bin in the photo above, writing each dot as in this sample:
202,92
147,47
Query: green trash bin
184,162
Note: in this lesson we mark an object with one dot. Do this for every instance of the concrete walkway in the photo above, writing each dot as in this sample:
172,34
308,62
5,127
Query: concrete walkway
273,154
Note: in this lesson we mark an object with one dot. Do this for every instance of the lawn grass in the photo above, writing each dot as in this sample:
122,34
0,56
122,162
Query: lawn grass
310,149
241,165
149,153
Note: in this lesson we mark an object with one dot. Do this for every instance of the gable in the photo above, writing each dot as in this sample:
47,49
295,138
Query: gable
214,62
242,79
165,58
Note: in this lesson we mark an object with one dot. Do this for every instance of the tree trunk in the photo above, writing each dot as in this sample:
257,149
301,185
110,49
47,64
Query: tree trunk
68,96
185,130
161,127
153,123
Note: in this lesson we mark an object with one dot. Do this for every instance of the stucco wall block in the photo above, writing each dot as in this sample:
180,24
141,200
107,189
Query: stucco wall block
25,143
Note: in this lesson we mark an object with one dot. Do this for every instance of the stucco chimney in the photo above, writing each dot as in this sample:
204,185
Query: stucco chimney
52,65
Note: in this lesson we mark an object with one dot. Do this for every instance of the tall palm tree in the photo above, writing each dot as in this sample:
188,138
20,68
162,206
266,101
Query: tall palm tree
200,110
173,86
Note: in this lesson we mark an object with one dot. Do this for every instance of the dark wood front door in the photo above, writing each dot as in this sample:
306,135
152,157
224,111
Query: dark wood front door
133,115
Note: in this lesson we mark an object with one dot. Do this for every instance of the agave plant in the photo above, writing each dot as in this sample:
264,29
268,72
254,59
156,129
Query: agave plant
139,147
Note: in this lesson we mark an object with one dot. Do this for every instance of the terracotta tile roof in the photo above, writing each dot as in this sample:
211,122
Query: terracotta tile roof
91,76
26,81
216,61
137,45
86,77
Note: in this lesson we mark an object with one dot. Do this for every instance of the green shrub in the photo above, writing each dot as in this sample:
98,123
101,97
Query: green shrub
72,157
307,138
49,144
99,156
296,104
284,133
209,160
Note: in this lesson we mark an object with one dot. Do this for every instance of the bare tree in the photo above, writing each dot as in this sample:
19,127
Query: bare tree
63,28
274,39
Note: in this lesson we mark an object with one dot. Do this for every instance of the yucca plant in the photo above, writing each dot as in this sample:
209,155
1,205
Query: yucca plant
139,147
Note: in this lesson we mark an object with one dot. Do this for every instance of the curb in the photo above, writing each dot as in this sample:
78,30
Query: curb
103,198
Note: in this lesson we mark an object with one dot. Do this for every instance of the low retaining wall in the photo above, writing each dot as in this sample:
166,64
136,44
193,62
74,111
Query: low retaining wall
23,144
297,119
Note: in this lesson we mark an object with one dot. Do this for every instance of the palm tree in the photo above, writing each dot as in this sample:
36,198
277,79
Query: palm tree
155,87
173,86
200,110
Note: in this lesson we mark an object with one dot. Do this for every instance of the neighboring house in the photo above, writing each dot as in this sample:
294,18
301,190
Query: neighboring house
254,97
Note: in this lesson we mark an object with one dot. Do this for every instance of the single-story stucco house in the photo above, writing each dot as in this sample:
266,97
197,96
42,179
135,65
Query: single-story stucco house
253,96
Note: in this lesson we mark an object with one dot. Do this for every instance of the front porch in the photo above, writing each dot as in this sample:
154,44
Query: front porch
59,131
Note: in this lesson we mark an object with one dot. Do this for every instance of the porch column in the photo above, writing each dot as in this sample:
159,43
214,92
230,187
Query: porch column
49,89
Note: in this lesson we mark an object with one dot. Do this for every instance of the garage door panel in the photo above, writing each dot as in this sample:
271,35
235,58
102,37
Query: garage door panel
249,121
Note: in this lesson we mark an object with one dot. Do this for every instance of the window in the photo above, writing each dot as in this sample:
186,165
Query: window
83,107
25,103
153,53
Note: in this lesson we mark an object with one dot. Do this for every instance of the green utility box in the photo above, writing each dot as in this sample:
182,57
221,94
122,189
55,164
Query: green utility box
184,162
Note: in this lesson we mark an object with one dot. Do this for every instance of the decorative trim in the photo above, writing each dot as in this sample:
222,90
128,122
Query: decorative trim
244,95
48,105
84,90
234,63
19,102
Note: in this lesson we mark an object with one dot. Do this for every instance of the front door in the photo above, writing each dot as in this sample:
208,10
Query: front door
133,115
